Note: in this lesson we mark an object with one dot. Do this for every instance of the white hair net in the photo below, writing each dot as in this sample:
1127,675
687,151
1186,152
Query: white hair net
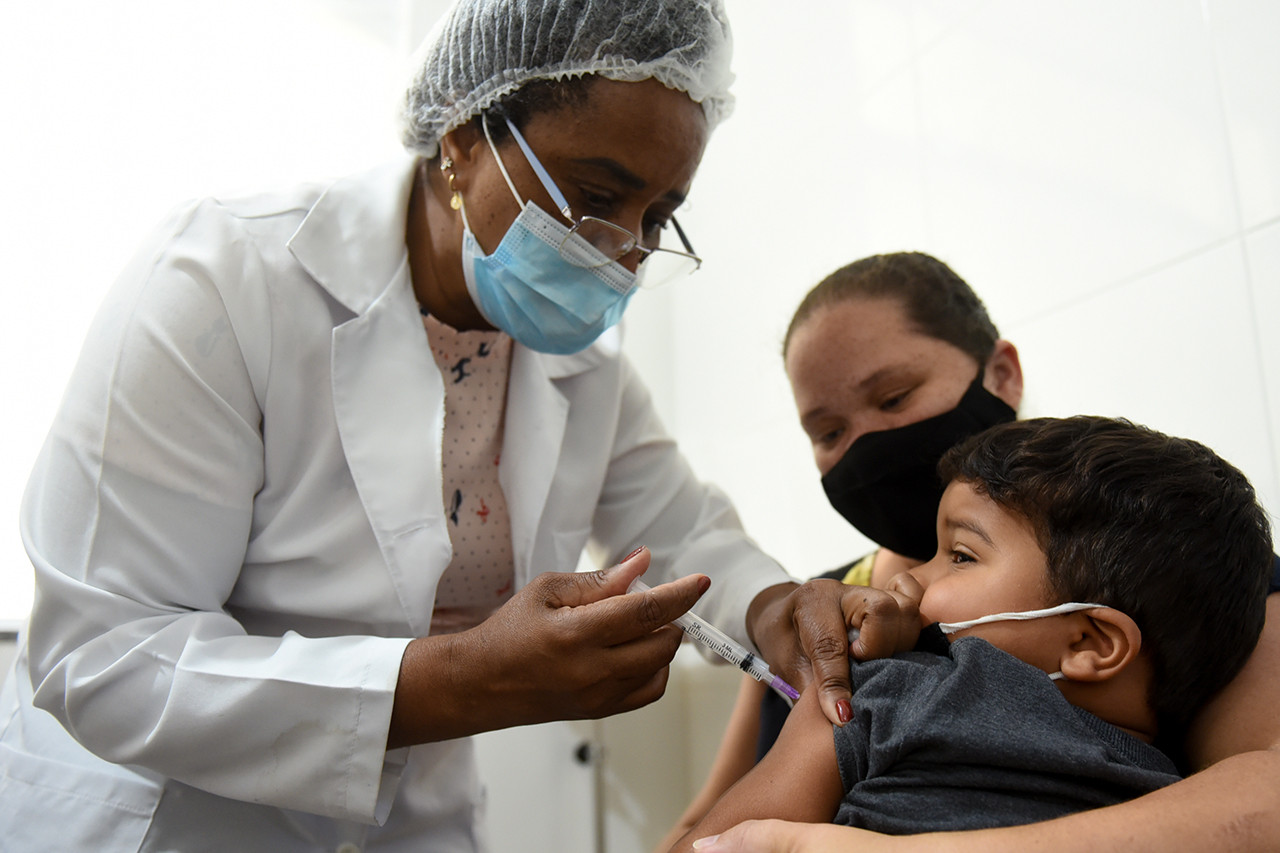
483,50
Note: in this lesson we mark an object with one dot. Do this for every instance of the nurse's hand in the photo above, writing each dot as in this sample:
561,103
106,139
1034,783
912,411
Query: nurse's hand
802,630
567,646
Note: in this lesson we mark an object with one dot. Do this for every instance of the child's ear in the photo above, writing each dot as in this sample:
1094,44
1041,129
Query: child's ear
1107,643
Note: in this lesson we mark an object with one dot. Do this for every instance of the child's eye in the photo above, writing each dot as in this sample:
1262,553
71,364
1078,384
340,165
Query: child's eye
960,557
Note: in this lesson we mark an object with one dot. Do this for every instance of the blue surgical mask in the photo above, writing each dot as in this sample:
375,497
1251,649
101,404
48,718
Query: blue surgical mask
1020,616
526,289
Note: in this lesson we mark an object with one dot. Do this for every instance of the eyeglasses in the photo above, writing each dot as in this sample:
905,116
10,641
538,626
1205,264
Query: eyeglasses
601,242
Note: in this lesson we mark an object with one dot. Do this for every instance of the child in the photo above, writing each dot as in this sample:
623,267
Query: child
1027,716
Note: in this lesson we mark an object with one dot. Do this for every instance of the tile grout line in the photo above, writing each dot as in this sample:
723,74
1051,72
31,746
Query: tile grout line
1272,429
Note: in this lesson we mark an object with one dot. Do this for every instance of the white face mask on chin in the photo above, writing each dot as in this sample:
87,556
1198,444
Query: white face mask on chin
1020,616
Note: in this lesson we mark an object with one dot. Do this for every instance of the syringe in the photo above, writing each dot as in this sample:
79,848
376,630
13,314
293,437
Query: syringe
725,646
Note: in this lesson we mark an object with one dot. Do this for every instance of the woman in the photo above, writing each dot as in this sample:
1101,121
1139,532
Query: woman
324,450
851,329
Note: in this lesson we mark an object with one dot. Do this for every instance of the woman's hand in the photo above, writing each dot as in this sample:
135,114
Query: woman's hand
567,646
803,632
780,836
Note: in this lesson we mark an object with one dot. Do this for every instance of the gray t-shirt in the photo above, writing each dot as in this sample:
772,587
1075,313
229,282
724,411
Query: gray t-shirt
975,739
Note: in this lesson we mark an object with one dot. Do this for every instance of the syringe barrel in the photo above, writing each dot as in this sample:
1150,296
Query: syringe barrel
718,641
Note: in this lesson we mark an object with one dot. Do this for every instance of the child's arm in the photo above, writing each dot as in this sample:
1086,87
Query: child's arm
797,780
735,757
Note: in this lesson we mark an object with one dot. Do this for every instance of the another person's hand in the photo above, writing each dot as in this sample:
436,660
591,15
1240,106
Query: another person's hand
803,632
780,836
567,646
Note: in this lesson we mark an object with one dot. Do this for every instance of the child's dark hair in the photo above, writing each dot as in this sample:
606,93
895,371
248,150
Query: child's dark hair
938,302
1160,528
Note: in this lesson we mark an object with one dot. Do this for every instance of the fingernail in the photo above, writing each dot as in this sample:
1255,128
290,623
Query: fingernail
844,711
705,842
632,554
704,584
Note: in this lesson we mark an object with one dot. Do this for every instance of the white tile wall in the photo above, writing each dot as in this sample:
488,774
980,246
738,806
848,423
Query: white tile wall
1104,173
1263,251
1243,38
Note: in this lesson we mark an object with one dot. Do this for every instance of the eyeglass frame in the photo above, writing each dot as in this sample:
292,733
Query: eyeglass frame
562,204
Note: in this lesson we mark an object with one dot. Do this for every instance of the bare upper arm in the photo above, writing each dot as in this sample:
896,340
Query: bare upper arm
1243,718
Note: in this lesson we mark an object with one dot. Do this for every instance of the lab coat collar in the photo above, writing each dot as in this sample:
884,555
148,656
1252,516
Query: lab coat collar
352,240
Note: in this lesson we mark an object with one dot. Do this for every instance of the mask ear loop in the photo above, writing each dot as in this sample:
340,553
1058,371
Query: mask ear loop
552,189
1018,616
484,123
1022,616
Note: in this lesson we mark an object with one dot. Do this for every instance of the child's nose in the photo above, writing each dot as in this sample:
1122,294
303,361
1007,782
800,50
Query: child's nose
926,572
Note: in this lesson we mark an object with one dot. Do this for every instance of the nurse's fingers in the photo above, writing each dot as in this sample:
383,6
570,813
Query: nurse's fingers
581,588
637,674
820,626
601,609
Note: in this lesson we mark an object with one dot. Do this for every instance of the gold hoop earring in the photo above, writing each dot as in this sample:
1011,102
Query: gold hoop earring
455,198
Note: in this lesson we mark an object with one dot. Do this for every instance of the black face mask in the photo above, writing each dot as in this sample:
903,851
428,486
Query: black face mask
886,484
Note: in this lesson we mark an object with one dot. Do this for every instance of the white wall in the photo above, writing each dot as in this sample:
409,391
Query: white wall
1105,174
116,112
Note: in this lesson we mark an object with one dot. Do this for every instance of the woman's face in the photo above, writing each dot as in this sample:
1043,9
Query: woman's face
860,366
626,155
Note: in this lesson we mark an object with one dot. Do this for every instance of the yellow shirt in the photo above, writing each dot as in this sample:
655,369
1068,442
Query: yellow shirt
859,573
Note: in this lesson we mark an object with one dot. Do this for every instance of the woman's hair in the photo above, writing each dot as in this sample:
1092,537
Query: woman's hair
936,301
540,96
1160,528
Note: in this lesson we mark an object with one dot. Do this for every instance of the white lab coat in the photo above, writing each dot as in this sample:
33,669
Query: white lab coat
236,526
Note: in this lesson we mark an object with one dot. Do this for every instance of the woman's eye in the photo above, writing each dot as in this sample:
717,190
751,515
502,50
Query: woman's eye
597,203
958,557
653,229
892,404
829,437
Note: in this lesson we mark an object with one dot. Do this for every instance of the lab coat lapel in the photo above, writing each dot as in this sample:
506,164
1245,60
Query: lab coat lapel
389,403
537,415
388,395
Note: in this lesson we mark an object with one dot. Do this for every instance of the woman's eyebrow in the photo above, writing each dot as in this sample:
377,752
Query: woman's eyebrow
625,176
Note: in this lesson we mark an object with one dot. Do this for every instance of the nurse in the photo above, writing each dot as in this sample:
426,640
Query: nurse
309,512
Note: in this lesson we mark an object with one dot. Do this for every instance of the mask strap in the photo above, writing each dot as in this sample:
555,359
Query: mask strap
484,123
1018,616
552,189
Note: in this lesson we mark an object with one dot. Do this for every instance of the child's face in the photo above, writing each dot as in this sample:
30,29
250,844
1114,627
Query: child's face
989,561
